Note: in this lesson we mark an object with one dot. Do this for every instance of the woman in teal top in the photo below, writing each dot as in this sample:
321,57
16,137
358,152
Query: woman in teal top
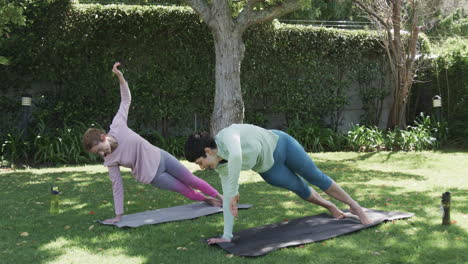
276,156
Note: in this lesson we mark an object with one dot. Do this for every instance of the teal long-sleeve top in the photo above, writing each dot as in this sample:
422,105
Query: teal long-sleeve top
244,147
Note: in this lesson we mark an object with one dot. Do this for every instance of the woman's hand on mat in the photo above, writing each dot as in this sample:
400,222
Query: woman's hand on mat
113,220
216,240
214,202
233,205
116,70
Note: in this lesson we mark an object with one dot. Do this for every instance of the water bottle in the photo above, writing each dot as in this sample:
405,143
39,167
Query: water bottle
54,200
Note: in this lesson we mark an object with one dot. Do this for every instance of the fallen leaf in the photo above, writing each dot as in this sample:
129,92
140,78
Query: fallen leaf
66,227
92,212
285,220
301,246
324,243
181,248
24,234
453,221
229,255
100,249
457,238
375,253
91,227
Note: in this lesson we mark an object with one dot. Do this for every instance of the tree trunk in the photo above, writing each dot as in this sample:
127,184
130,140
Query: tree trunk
404,60
394,118
401,60
229,47
229,105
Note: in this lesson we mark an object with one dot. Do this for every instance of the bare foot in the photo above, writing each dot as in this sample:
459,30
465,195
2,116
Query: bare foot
214,201
337,213
217,240
362,215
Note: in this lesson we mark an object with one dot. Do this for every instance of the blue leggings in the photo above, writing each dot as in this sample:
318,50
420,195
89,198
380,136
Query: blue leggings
290,161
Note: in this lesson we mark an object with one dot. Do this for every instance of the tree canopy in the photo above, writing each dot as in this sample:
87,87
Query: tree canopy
10,14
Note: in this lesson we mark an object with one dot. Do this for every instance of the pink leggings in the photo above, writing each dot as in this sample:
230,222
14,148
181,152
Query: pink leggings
173,176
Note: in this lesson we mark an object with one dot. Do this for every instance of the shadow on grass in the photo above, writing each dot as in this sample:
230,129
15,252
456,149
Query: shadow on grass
416,157
341,171
72,236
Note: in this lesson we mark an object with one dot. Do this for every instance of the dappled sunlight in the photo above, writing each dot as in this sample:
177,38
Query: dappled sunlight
58,244
66,251
290,204
68,205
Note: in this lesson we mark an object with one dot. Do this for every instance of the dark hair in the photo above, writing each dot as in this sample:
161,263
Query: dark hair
196,144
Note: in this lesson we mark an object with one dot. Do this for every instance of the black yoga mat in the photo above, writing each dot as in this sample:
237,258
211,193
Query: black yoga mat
176,213
261,240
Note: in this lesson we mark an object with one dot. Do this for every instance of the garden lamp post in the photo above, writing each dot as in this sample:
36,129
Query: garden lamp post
437,105
26,101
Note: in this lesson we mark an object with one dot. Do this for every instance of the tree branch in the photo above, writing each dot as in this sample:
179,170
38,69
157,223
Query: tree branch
371,13
202,9
414,36
249,16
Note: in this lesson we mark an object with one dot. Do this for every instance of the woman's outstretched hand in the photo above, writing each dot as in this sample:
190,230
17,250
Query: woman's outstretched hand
233,205
116,70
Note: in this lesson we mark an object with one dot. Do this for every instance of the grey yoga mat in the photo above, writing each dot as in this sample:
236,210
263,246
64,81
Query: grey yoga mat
176,213
262,240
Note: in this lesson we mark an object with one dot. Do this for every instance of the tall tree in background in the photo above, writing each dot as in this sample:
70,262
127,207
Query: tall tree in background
390,16
228,20
328,10
10,14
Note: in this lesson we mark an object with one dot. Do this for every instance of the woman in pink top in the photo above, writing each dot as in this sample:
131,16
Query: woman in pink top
149,164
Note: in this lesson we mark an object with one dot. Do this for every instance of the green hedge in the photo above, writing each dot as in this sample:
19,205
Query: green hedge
305,72
67,52
169,58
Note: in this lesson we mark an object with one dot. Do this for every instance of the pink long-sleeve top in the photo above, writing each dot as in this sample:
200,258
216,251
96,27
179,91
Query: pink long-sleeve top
133,152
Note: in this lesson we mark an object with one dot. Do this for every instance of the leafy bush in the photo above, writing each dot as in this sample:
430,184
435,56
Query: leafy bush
447,77
46,146
173,145
362,138
314,137
61,146
454,24
425,134
14,148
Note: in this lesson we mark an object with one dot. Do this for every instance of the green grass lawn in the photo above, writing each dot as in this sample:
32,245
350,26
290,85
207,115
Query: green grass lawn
409,182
